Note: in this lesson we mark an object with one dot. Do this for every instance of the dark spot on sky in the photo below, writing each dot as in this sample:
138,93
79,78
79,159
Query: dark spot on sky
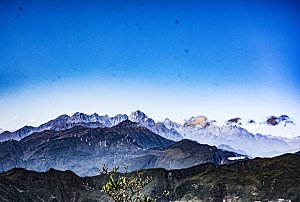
114,75
234,120
273,120
56,5
217,84
58,77
186,50
251,121
179,75
283,117
20,8
176,22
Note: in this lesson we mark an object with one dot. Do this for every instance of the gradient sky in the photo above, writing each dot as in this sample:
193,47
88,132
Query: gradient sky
168,58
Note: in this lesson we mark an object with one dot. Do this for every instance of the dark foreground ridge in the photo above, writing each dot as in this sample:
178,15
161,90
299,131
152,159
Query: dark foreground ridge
259,179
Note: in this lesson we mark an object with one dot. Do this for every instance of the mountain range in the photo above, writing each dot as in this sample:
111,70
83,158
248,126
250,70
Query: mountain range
194,161
197,128
259,179
83,150
236,137
64,122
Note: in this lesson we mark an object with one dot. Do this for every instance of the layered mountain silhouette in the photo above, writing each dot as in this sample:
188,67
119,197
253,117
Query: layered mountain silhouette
197,128
259,179
83,150
80,144
64,122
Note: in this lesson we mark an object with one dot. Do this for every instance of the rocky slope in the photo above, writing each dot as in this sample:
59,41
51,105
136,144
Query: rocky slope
197,128
83,150
64,122
260,179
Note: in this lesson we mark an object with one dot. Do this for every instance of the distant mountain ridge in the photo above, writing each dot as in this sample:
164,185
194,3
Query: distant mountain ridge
196,128
83,150
228,148
64,122
234,136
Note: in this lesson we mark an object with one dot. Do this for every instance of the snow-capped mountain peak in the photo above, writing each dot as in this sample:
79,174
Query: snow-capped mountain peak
170,124
140,117
199,128
64,122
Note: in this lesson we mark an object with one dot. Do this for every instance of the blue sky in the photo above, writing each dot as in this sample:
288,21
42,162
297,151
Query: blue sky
167,58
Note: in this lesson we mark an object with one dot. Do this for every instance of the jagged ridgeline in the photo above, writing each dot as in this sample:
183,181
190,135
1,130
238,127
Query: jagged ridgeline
65,150
83,150
231,136
260,179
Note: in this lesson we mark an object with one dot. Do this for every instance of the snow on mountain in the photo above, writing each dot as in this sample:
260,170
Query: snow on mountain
118,119
140,117
158,128
234,136
281,125
171,124
81,119
18,134
281,129
64,122
237,133
82,149
283,119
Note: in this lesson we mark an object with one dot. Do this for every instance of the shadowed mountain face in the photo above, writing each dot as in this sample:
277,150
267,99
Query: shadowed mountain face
83,150
197,128
260,179
65,122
